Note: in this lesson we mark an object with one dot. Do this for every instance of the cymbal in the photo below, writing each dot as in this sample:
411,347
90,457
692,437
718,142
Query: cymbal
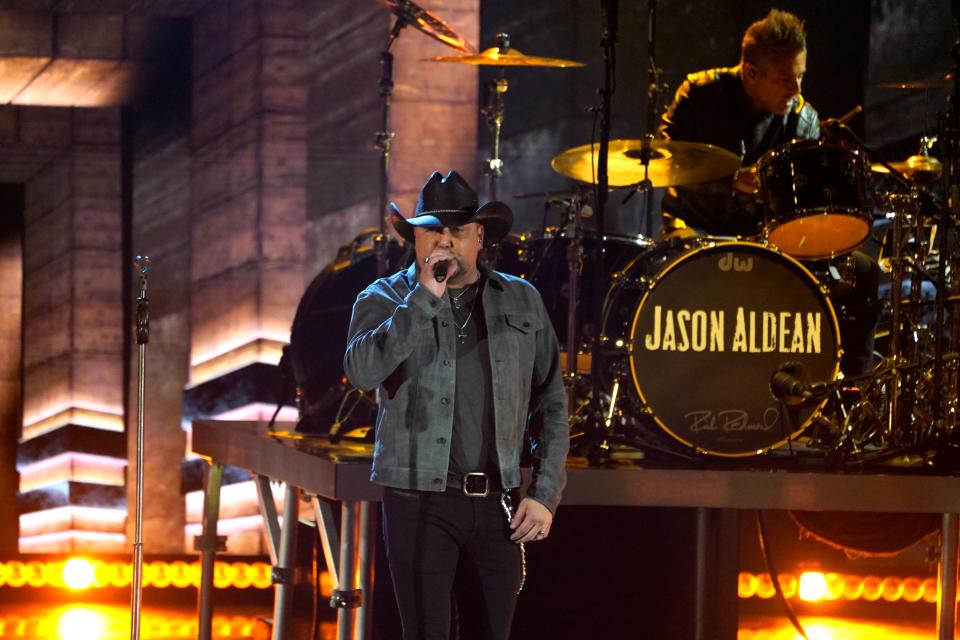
421,19
930,83
672,163
495,57
923,169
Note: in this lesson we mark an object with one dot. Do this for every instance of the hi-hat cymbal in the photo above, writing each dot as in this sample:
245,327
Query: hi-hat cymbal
495,57
672,163
929,83
421,19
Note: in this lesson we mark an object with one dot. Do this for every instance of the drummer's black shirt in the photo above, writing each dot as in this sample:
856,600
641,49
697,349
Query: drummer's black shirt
712,107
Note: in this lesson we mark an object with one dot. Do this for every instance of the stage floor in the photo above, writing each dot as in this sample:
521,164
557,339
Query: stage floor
178,622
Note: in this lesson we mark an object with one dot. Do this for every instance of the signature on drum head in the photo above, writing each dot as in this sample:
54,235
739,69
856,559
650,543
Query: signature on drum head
730,261
730,420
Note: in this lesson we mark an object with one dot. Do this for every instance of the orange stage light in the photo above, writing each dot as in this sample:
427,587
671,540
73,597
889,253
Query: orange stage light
78,573
813,586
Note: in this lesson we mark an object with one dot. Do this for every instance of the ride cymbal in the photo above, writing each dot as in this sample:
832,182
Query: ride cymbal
496,57
422,20
672,163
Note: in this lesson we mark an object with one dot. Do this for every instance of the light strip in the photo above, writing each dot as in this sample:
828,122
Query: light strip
238,499
177,574
95,418
226,526
75,466
233,355
72,517
843,587
259,411
64,541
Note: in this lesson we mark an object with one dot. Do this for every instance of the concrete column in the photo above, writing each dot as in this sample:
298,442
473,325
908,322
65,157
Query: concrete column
71,455
11,303
248,215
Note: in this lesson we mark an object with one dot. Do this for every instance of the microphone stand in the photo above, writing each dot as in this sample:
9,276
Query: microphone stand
608,43
142,264
494,113
654,88
384,140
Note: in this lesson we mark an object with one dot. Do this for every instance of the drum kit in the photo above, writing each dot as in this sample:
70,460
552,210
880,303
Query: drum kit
728,348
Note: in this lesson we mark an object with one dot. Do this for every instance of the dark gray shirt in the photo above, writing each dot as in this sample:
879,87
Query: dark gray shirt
473,425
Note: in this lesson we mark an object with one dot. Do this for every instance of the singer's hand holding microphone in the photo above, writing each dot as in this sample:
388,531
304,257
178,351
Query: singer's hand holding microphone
437,269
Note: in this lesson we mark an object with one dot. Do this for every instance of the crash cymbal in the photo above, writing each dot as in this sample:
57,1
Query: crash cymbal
923,169
930,83
497,57
424,21
672,163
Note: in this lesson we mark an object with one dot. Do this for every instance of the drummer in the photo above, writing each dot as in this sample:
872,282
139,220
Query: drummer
750,109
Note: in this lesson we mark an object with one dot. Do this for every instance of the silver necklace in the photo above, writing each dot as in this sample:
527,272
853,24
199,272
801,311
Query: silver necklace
462,328
455,299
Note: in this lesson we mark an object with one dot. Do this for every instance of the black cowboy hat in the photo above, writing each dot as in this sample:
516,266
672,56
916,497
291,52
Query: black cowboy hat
450,202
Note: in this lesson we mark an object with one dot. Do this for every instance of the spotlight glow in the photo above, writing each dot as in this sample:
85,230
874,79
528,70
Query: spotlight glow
813,586
78,573
81,623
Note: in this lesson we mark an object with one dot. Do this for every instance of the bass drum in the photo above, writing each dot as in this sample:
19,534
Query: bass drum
696,330
318,337
542,259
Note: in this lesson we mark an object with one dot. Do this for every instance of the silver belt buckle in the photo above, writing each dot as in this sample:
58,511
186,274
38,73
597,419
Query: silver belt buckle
476,494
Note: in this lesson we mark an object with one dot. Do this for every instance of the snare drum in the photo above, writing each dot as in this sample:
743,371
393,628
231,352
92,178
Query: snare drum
815,199
704,326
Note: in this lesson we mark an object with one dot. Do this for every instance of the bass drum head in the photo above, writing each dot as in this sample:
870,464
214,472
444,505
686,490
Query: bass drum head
711,329
318,336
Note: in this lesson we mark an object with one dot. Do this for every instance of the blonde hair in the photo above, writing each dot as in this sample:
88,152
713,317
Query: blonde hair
779,35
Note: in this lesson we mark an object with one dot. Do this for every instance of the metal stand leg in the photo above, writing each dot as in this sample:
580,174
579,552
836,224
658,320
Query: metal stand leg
716,569
208,543
348,596
283,571
349,561
947,578
365,564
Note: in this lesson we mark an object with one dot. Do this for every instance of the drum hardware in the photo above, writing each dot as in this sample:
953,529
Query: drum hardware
500,56
407,12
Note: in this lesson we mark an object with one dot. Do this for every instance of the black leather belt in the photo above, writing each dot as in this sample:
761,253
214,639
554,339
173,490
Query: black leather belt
476,484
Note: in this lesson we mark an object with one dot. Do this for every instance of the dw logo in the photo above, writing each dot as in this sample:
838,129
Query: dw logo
730,261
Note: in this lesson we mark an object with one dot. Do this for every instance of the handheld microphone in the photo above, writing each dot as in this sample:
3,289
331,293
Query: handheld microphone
440,270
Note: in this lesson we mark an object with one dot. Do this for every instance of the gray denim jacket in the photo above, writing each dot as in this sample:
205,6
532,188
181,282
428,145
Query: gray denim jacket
402,339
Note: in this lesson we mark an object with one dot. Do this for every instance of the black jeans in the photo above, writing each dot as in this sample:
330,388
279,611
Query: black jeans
446,547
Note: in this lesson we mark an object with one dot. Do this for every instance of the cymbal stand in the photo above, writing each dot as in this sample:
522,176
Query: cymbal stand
897,419
494,113
384,141
574,263
596,432
654,88
949,136
142,264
